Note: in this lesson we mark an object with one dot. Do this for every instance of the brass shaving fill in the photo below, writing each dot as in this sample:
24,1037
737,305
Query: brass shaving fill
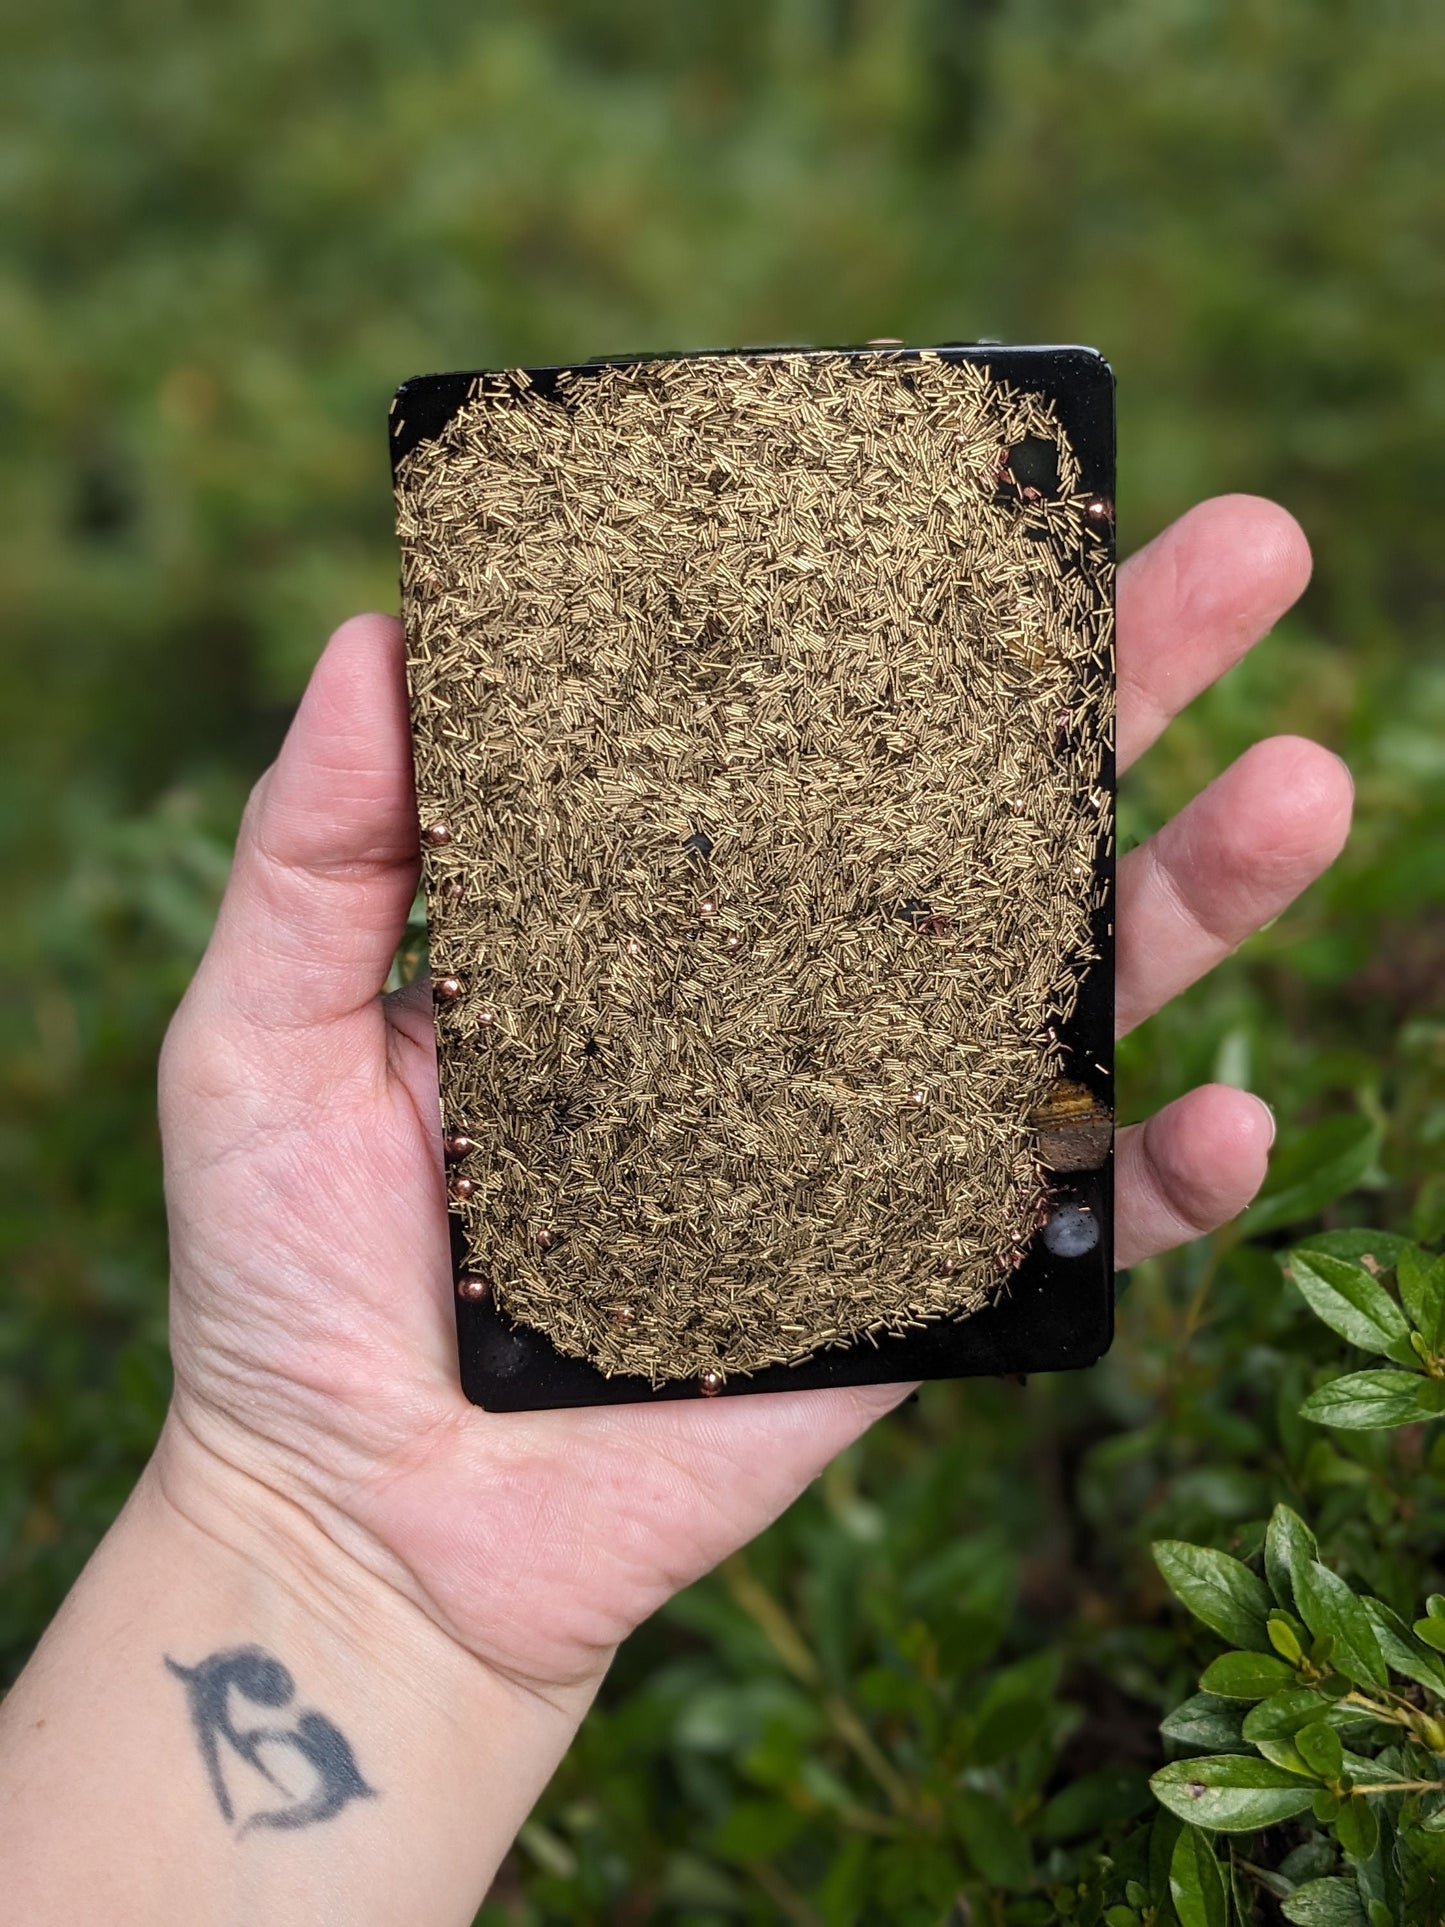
764,710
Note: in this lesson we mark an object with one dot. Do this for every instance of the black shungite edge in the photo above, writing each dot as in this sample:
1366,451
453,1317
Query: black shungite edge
1054,1313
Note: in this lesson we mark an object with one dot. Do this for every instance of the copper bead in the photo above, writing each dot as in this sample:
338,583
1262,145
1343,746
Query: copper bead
622,1315
634,948
732,941
461,1188
916,1100
437,835
471,1287
446,990
1098,510
456,1147
547,1238
710,1384
708,907
486,1018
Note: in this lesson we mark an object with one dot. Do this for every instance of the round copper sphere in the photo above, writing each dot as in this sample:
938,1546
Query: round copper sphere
457,1147
437,835
622,1315
732,941
708,907
916,1100
446,990
471,1287
710,1384
634,948
485,1019
1098,510
547,1238
461,1188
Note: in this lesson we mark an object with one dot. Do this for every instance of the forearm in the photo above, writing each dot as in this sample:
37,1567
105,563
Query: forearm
230,1721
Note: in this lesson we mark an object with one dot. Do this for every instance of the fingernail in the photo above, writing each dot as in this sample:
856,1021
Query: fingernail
1273,1126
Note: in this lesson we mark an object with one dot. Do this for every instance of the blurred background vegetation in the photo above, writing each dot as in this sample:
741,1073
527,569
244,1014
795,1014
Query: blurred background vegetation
933,1691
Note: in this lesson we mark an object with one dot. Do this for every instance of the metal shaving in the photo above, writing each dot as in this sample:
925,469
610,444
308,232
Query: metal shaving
763,709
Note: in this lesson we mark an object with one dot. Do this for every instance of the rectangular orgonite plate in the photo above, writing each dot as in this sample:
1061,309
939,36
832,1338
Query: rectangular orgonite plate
763,716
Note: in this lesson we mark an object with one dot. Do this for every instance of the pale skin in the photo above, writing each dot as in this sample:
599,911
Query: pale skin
402,1606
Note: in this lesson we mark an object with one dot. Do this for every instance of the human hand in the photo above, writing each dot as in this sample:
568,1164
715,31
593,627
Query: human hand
312,1322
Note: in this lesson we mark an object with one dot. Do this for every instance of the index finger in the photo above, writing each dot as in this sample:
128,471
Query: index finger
1195,600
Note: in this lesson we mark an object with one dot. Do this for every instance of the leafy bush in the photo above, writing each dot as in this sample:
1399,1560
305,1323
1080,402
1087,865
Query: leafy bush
948,1779
933,1691
1329,1709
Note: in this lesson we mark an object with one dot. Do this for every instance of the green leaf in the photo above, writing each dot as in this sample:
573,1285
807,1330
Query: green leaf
1371,1401
756,1830
1313,1169
1320,1749
1196,1882
1331,1610
1231,1793
1287,1542
1094,1803
1421,1279
993,1839
1432,1631
1282,1715
1163,1833
1435,1605
1218,1590
1427,1220
1404,1654
1347,1299
1247,1676
1384,1247
1325,1903
1284,1639
1358,1829
1384,1769
1204,1721
1283,1752
1311,1860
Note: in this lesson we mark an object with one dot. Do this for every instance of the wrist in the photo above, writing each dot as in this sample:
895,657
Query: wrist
334,1577
454,1753
265,1709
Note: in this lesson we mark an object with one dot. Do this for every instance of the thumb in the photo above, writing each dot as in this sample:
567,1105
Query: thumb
327,857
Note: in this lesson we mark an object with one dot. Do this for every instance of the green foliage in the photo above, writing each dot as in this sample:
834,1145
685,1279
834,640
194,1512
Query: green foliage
1347,1723
934,1690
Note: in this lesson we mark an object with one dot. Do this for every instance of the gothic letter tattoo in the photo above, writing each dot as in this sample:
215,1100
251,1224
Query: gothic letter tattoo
328,1777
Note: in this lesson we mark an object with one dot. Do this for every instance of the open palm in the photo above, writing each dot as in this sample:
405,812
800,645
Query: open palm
312,1323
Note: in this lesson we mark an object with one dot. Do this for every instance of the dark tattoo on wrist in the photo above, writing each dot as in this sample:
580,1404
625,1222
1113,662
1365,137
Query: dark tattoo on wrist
308,1761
